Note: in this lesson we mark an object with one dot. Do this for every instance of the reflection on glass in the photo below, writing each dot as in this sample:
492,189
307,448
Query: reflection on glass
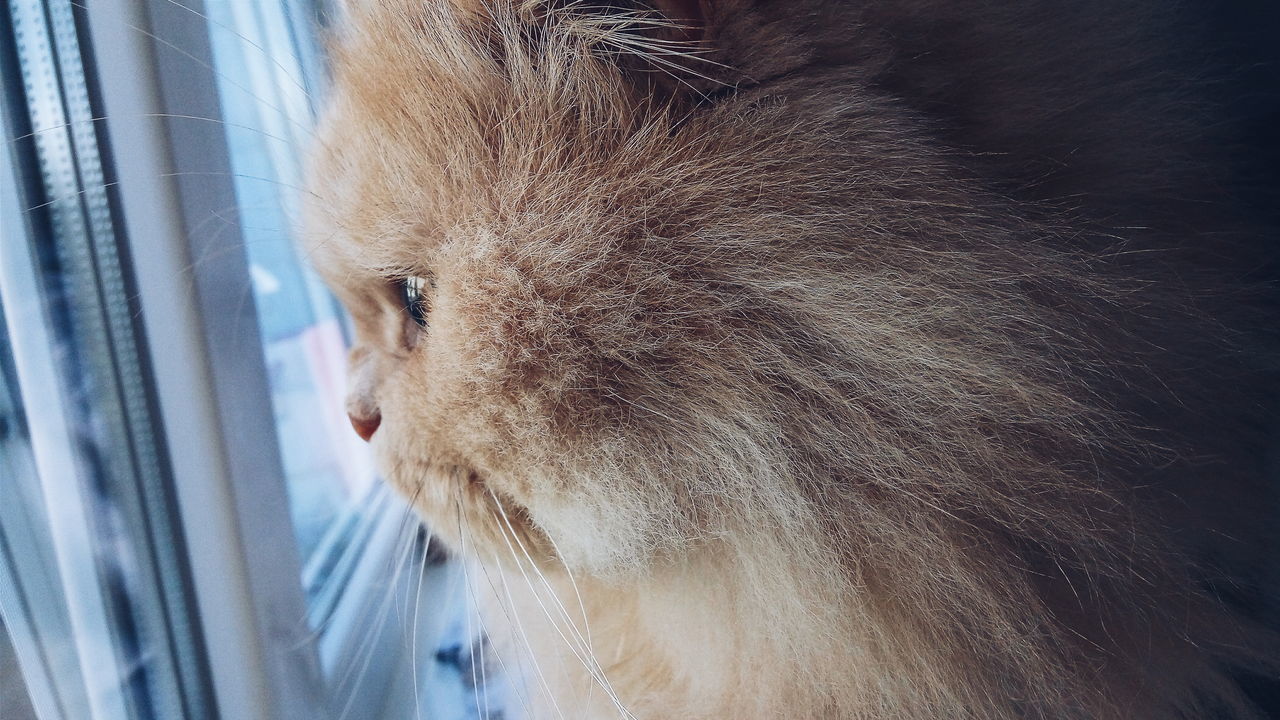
15,700
267,68
97,608
263,53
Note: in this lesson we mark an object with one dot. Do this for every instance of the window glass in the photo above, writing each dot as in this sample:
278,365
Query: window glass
98,594
393,629
15,700
263,59
93,580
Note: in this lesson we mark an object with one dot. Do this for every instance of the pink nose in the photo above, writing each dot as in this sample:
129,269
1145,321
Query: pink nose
365,427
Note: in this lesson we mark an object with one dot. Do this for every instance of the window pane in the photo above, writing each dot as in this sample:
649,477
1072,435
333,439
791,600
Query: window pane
15,700
261,59
373,601
94,587
93,581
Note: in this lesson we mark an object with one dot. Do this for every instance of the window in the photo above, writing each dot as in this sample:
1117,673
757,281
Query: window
265,71
190,528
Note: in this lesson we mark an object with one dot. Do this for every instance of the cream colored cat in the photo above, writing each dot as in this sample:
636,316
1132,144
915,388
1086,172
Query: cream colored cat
811,359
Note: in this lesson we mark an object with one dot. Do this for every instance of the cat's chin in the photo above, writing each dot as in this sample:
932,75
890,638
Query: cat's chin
479,520
471,513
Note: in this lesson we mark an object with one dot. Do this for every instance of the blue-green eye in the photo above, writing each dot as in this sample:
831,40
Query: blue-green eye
414,297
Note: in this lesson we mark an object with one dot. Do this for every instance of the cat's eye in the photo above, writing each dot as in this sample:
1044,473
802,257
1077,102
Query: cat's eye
414,295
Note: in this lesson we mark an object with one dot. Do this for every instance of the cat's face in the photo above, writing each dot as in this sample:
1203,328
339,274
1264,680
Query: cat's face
645,312
616,317
513,231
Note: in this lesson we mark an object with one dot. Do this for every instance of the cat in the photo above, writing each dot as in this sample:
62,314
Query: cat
815,359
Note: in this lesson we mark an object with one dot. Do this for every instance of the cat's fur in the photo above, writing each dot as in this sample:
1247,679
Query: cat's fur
860,360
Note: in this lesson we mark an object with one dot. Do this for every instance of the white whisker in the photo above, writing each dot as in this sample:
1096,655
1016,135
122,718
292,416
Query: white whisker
582,607
297,83
169,116
413,630
366,647
524,636
213,71
593,666
464,533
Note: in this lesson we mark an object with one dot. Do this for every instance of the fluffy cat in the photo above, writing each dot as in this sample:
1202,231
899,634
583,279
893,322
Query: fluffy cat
814,359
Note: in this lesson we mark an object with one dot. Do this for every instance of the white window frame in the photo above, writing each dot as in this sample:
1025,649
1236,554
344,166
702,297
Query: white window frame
154,57
268,655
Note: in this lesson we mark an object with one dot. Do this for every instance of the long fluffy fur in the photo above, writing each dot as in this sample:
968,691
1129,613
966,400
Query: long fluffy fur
901,382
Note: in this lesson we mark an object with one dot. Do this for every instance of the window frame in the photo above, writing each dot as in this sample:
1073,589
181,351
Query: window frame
214,522
25,541
211,380
154,59
96,569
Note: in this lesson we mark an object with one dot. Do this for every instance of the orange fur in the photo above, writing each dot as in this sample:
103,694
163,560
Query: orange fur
842,395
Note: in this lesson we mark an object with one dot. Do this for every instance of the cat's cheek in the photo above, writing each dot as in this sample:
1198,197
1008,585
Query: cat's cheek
594,535
473,520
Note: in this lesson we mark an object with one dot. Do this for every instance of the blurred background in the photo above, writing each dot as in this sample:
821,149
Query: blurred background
188,526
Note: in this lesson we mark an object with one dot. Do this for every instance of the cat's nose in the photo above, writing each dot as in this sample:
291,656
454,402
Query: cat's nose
365,427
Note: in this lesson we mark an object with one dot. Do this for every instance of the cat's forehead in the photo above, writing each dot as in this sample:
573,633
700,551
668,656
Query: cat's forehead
433,123
378,177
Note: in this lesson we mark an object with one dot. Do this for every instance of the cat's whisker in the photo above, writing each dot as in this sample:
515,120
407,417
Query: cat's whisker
524,637
471,608
471,638
170,116
272,58
590,663
512,615
401,551
396,563
70,197
262,101
465,536
521,678
218,121
242,176
413,629
73,196
366,647
484,661
213,250
582,607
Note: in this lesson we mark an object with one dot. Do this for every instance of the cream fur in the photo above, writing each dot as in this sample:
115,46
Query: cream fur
835,404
